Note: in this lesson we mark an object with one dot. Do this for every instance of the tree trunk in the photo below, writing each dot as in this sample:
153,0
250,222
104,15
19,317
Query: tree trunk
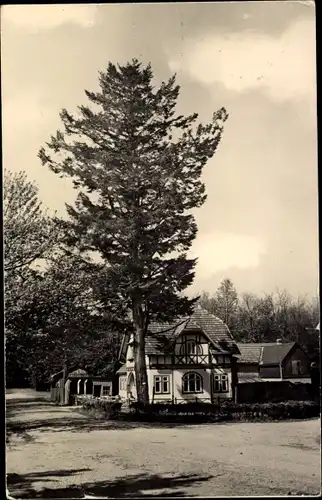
141,378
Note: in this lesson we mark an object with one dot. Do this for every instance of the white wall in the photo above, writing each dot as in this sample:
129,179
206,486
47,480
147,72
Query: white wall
122,388
175,378
177,384
159,397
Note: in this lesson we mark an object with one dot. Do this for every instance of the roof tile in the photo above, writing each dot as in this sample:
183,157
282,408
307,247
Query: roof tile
161,335
263,352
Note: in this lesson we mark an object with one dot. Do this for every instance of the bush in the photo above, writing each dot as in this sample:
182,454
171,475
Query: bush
272,411
106,408
228,411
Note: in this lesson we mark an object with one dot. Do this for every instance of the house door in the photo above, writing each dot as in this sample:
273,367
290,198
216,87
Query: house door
97,390
131,387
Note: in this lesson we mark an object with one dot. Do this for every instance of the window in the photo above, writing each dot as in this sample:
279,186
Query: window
296,367
106,390
192,382
190,347
191,351
220,383
162,384
122,383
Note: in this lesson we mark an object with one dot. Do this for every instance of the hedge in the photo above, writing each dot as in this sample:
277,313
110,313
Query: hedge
107,408
229,410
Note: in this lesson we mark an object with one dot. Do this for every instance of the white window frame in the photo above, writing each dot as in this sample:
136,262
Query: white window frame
220,383
192,377
108,386
159,382
122,383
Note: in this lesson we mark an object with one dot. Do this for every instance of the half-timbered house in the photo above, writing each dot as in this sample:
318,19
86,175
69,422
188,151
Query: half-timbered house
192,359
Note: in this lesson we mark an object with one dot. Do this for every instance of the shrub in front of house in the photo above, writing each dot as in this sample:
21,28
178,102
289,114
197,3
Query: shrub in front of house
227,411
101,407
271,411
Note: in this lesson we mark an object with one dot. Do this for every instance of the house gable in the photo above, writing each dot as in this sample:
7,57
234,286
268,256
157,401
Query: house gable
161,338
296,363
272,360
274,354
188,338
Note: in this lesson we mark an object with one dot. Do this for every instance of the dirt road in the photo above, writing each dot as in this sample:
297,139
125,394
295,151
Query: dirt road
56,452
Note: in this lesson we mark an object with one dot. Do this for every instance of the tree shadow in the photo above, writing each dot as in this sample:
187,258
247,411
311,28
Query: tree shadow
78,420
152,485
89,423
18,432
17,409
25,401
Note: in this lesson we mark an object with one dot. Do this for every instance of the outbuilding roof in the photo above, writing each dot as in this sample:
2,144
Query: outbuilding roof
250,353
264,353
246,378
78,373
275,353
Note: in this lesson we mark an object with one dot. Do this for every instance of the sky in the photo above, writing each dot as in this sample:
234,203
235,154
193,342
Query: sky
259,225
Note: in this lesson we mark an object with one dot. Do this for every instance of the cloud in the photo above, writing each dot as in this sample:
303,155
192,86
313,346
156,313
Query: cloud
283,67
221,251
43,17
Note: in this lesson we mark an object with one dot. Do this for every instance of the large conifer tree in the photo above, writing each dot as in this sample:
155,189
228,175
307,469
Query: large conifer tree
137,165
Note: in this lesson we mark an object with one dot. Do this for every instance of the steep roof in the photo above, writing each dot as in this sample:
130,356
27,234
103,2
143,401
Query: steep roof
275,353
250,353
78,373
265,353
161,336
121,370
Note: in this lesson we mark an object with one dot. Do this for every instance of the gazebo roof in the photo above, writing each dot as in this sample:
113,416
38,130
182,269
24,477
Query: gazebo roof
78,373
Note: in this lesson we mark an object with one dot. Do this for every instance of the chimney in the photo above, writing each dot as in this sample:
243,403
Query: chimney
279,341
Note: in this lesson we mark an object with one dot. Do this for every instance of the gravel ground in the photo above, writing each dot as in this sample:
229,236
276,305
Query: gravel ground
57,452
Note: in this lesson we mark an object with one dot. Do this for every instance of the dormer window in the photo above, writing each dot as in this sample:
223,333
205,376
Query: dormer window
191,348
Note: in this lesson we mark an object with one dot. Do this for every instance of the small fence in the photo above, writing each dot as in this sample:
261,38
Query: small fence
57,395
184,401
